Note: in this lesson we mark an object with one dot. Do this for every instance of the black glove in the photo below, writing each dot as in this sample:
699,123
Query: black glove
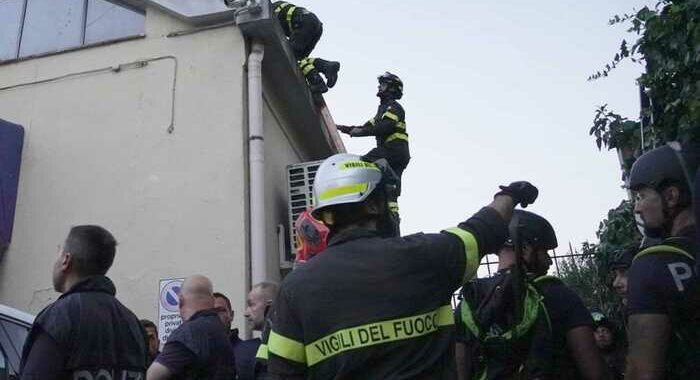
522,192
344,128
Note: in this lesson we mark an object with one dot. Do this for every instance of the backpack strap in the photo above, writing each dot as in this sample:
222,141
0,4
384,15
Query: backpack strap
545,278
663,249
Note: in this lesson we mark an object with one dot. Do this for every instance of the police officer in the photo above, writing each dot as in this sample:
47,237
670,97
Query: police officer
388,126
87,333
663,297
304,30
619,267
375,306
499,316
612,350
199,348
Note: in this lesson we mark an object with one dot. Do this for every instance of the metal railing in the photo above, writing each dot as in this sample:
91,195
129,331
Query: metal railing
489,266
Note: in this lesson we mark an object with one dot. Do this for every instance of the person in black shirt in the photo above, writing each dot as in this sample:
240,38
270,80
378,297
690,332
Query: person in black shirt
87,333
199,348
663,305
610,345
499,316
151,339
374,305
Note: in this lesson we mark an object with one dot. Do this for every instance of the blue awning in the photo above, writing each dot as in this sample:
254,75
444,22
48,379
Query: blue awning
11,140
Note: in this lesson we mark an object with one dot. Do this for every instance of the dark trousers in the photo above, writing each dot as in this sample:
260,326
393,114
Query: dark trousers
304,38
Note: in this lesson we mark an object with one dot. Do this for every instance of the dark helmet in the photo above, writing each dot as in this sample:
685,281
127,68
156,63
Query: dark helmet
599,319
534,229
622,259
394,84
662,166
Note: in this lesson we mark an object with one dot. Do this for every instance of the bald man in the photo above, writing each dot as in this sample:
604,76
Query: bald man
199,348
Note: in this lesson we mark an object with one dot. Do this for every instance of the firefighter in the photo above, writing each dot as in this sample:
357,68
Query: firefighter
663,300
376,306
389,128
87,332
304,30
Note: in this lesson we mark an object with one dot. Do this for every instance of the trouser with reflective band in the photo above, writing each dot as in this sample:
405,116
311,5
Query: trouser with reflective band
361,336
395,152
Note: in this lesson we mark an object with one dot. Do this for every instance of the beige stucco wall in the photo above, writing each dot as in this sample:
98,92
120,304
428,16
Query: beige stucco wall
97,151
280,151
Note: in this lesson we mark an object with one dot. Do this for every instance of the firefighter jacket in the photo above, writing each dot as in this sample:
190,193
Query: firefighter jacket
100,337
388,126
378,308
291,17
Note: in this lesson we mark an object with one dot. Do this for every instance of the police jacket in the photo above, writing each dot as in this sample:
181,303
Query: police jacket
663,280
204,336
291,17
98,337
378,308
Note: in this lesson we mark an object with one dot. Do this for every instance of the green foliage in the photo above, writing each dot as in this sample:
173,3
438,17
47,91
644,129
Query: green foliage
589,274
668,44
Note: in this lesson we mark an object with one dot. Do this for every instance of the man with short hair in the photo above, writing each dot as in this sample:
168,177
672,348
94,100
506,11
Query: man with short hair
663,301
199,348
243,350
260,300
151,339
87,332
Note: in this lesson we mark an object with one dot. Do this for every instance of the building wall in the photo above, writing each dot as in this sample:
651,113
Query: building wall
280,151
98,150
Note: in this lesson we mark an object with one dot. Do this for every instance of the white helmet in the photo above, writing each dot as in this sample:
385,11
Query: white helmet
344,178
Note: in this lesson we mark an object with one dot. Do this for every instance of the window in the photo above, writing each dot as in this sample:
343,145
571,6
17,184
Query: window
12,337
10,21
107,21
43,26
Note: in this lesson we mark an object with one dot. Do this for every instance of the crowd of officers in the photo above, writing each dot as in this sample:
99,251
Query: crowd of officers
377,305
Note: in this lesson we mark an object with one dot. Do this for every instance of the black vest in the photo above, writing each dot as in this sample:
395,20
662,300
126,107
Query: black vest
101,338
205,336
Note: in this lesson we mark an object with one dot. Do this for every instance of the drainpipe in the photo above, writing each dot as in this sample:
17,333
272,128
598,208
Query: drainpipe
256,164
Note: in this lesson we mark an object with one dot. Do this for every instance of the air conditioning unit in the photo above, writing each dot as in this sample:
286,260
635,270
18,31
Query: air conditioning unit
300,184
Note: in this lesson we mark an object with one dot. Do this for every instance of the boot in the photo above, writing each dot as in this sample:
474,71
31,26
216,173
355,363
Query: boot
316,83
329,70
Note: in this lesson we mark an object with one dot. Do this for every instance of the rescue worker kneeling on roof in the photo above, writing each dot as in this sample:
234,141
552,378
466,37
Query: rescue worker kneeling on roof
388,126
304,31
663,299
374,305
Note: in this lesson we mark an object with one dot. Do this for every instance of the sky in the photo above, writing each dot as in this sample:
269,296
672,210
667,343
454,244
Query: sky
494,92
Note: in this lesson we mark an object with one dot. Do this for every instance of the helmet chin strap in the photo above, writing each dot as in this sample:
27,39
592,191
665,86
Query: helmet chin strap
664,230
